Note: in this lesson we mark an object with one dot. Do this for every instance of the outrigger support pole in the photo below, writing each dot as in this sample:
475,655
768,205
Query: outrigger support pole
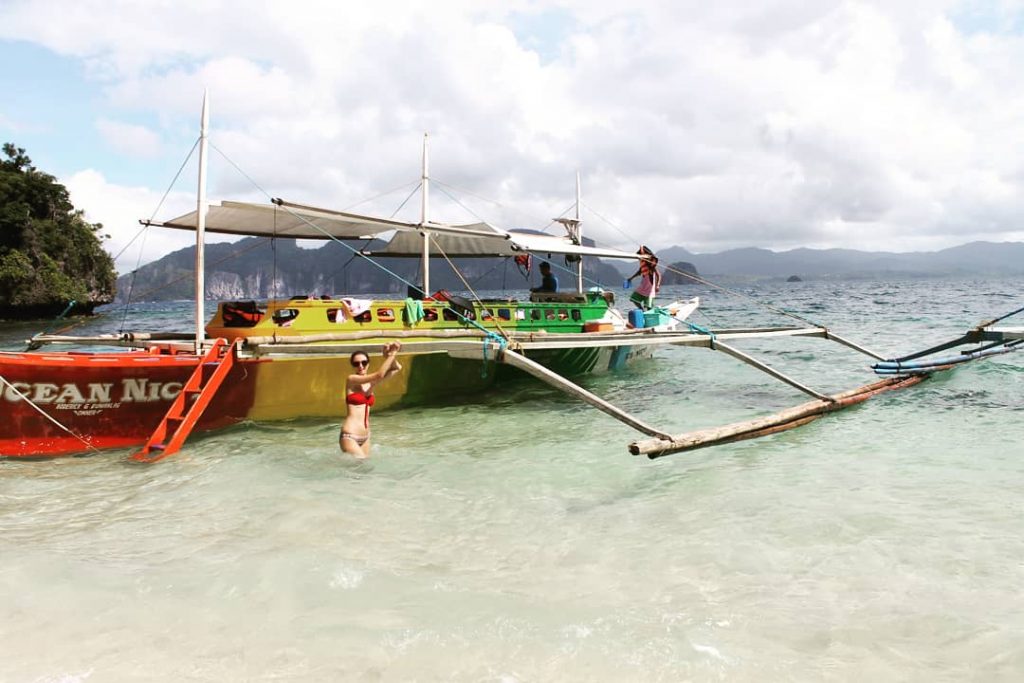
663,443
750,360
829,334
518,360
969,338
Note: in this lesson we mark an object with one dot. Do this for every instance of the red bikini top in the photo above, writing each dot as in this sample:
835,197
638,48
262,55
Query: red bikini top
358,398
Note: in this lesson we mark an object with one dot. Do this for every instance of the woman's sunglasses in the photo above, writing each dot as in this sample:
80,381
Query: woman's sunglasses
360,363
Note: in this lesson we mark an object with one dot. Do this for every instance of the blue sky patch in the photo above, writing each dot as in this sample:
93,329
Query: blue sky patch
542,32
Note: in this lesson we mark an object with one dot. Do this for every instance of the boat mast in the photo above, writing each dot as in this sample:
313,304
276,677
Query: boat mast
424,217
201,225
579,238
572,227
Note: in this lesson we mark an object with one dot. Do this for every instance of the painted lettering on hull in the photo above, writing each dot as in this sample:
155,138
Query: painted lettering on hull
109,405
92,396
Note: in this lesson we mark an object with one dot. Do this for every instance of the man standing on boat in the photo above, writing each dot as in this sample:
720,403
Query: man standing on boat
650,279
548,282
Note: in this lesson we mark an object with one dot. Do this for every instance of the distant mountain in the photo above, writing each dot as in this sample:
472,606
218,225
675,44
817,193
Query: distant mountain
981,258
254,268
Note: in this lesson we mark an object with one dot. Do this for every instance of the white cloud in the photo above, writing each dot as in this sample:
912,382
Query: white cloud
787,123
9,124
18,126
120,209
130,139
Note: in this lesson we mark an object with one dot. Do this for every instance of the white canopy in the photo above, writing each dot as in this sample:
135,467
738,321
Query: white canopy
297,221
489,241
284,219
536,243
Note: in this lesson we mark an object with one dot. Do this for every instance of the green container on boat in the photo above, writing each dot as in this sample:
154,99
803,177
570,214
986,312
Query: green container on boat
656,316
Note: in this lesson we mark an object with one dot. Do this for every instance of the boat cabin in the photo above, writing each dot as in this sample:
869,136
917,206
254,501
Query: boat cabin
305,315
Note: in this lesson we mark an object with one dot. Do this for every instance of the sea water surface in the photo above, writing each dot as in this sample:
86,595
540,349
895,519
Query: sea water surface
511,537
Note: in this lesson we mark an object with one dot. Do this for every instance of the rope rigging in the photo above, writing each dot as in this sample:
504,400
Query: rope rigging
713,285
237,252
442,187
142,231
532,217
668,268
500,339
993,321
26,399
367,242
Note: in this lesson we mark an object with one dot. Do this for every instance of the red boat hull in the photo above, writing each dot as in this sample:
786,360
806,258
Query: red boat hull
78,401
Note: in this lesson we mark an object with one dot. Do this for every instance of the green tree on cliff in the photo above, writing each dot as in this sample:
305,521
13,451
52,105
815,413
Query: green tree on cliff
49,254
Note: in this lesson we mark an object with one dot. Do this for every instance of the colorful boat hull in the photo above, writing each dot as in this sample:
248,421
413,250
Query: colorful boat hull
64,403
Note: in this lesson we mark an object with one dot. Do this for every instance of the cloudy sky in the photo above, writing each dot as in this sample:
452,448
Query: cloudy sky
895,125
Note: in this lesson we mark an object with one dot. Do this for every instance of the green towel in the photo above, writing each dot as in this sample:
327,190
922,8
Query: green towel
413,311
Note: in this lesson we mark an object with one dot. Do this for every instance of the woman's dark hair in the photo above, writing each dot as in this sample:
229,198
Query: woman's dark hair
360,352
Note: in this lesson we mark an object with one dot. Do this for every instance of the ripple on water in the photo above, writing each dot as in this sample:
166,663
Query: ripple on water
511,537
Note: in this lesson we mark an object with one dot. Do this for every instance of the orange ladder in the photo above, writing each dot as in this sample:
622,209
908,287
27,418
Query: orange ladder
179,421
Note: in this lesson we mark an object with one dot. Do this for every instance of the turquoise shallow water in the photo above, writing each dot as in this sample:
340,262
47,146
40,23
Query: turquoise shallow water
512,537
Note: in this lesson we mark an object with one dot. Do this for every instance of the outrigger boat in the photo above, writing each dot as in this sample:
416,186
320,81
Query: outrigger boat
288,358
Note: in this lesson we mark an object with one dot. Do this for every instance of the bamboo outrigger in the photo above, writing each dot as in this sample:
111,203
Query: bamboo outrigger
897,374
283,359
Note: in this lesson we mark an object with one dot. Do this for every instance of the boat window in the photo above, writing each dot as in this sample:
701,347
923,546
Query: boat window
504,314
335,315
386,315
285,316
485,314
576,314
535,314
429,314
459,314
363,317
563,313
549,314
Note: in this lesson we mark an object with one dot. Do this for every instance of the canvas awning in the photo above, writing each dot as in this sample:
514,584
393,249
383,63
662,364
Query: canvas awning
538,244
285,219
488,241
273,220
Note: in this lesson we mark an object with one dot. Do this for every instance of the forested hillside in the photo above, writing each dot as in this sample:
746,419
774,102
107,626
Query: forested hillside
49,255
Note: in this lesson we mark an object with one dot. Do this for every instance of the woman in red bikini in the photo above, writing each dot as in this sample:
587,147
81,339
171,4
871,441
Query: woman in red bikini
355,430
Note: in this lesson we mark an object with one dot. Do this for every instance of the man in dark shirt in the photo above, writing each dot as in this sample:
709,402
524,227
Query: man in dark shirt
548,282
